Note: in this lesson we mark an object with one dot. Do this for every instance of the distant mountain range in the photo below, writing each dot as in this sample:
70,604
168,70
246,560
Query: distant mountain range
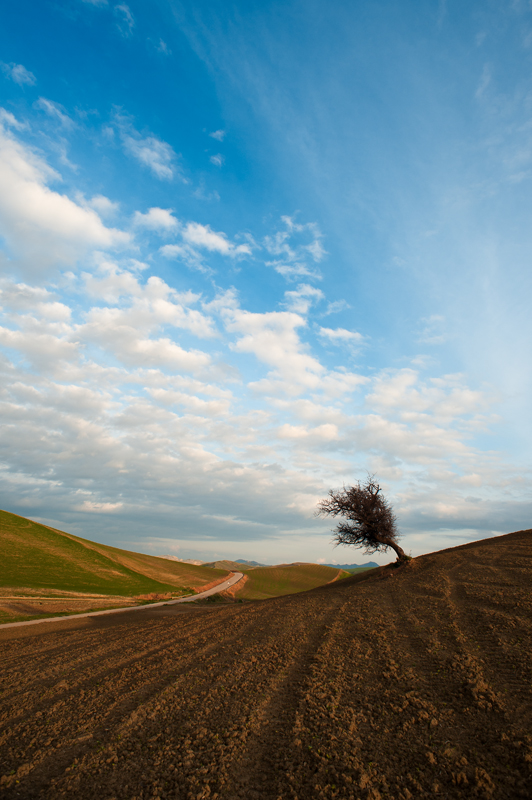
223,564
227,564
367,565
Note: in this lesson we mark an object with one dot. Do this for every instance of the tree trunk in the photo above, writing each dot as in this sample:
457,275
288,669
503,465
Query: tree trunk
388,542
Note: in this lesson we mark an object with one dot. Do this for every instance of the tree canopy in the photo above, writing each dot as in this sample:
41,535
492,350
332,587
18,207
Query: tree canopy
369,521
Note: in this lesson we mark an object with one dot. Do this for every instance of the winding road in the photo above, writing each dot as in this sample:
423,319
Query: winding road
220,587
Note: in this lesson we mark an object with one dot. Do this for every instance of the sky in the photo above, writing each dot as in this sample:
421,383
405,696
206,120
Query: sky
253,251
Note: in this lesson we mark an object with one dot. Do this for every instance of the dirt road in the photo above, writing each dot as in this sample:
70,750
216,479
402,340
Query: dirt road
220,587
414,684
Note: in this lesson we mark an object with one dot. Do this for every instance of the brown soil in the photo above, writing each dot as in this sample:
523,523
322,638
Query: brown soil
413,683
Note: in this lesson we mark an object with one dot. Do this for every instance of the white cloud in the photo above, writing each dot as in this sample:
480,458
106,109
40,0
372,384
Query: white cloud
273,339
19,74
195,238
185,253
157,219
217,160
293,271
278,245
303,298
336,306
219,135
21,297
126,22
326,432
162,47
340,335
292,248
9,120
131,333
203,236
114,416
43,346
443,398
151,152
42,227
103,205
316,250
98,508
151,306
54,110
192,403
110,283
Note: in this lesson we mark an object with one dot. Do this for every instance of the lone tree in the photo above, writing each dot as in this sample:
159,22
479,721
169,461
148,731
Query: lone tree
369,519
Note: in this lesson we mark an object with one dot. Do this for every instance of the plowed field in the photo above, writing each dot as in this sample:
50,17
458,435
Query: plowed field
413,683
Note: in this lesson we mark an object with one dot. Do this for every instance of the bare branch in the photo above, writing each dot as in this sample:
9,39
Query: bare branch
369,520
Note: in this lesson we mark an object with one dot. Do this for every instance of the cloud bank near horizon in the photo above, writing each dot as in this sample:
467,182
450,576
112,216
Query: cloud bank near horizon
182,378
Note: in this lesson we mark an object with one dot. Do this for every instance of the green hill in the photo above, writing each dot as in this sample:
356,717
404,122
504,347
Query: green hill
232,566
36,557
265,582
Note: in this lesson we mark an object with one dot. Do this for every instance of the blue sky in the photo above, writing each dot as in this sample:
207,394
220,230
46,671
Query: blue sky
253,251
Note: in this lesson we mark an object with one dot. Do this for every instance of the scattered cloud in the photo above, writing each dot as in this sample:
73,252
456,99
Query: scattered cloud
155,154
93,507
182,252
118,396
7,119
54,110
196,239
316,250
157,219
19,74
292,248
336,306
217,160
341,336
272,337
293,271
219,135
126,21
152,153
204,237
162,47
301,299
445,399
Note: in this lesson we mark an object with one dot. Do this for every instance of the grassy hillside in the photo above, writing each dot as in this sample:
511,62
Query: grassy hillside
37,557
232,566
265,582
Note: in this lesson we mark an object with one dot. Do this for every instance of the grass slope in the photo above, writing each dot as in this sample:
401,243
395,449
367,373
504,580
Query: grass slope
37,557
265,582
232,566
